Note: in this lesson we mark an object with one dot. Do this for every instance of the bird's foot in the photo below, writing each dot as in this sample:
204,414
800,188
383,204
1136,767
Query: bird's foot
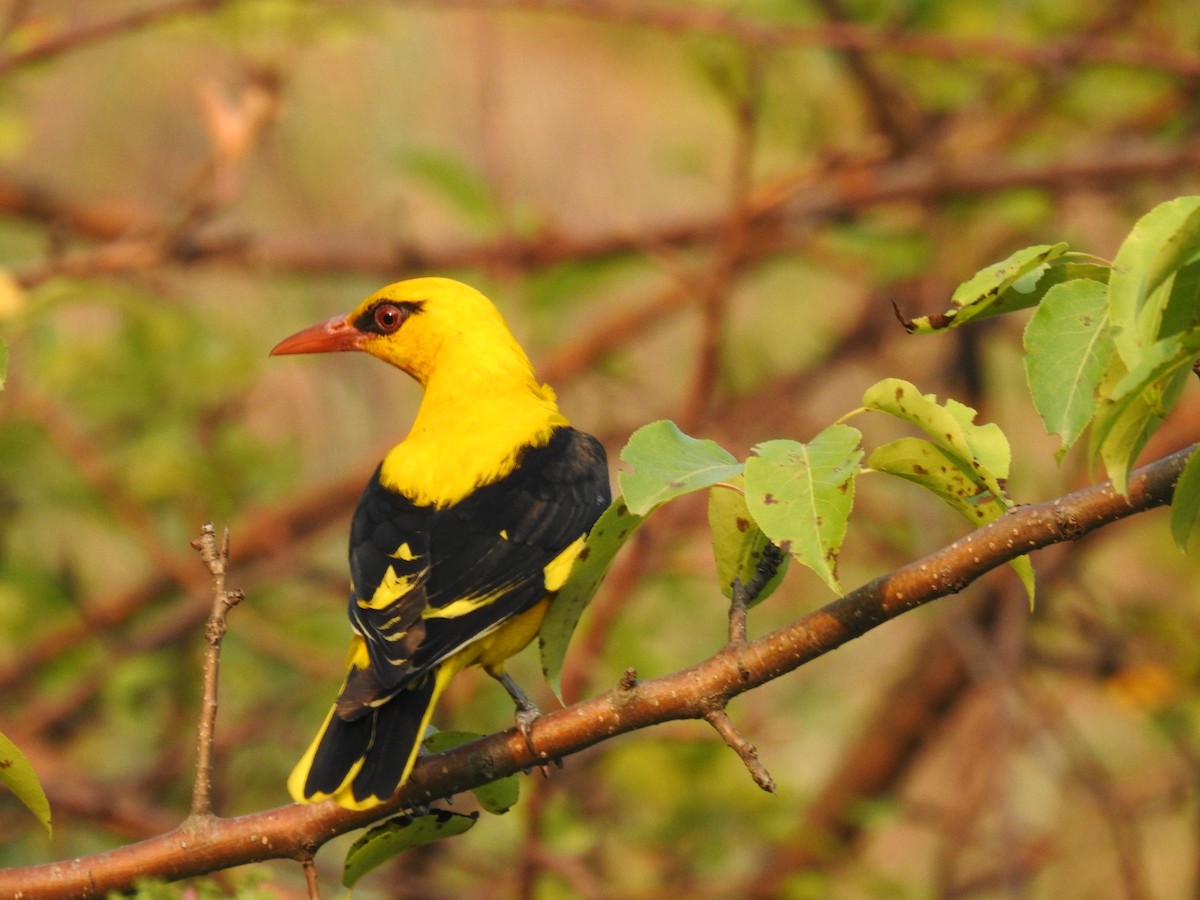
527,710
526,716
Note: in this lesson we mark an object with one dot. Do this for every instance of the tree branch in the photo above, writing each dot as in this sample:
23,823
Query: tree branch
847,36
216,559
56,43
774,211
297,831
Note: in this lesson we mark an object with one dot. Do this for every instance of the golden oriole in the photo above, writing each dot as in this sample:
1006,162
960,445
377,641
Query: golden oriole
462,536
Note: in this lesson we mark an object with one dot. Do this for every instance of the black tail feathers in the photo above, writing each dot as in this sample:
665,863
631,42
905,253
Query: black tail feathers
361,761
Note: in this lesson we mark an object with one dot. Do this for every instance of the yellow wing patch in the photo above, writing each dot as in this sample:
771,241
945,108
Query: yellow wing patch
404,552
556,571
391,587
464,605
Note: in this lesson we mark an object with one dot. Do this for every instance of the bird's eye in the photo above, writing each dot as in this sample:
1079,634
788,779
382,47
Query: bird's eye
388,318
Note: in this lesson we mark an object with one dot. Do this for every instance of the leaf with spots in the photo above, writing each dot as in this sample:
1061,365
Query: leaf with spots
497,796
1018,282
614,527
18,776
666,463
801,495
940,472
738,542
982,451
394,836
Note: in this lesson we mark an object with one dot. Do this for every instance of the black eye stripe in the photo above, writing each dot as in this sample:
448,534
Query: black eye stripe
367,322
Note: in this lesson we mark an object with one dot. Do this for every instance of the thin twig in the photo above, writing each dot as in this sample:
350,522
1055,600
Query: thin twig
745,594
310,876
217,560
720,721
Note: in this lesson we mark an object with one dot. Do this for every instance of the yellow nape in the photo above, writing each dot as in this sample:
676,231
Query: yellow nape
482,403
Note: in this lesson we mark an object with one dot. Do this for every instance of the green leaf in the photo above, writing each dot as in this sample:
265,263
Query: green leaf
394,836
1002,288
1182,312
1134,404
497,796
18,776
738,542
1160,361
941,472
1185,505
668,463
981,450
801,495
614,527
3,364
1067,351
1162,242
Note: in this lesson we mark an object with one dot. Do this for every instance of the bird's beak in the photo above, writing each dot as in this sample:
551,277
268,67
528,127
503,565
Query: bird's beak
324,337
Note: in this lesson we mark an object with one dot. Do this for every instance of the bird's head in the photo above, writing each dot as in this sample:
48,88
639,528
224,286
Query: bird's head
410,323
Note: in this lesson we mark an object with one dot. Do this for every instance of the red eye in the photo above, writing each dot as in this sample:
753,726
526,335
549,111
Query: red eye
388,318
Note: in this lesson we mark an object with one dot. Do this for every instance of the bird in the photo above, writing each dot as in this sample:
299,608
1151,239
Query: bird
462,536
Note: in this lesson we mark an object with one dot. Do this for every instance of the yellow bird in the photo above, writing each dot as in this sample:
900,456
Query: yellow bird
462,536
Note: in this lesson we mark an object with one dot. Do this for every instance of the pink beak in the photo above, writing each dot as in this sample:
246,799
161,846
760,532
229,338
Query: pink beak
324,337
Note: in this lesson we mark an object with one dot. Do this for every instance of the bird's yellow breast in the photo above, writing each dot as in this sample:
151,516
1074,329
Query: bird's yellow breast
461,440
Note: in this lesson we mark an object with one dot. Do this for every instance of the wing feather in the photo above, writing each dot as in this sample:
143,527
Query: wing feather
428,581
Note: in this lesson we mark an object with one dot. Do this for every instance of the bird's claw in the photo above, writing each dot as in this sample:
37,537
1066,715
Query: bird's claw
527,714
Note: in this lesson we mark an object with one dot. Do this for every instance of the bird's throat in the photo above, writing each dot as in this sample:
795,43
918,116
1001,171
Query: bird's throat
469,431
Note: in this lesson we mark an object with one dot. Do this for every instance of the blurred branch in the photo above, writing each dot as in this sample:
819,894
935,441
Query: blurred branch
84,454
847,36
891,109
731,250
58,43
79,796
267,533
297,831
922,696
774,210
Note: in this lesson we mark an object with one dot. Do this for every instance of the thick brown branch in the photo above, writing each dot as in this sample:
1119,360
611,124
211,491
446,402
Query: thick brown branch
206,845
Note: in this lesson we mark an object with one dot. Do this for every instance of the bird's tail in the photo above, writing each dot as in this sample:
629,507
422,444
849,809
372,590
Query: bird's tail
361,760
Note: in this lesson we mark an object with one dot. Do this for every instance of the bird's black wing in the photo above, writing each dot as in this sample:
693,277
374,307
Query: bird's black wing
429,581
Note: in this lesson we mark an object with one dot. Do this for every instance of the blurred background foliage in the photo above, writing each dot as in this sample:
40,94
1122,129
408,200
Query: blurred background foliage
694,210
